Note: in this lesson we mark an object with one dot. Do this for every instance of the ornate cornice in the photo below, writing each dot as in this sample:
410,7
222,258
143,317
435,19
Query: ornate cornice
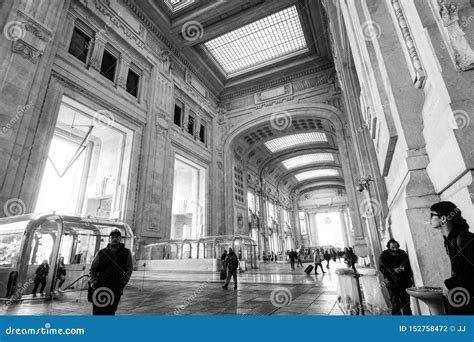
128,31
277,82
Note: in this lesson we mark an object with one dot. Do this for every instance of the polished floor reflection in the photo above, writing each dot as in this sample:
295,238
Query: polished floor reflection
271,290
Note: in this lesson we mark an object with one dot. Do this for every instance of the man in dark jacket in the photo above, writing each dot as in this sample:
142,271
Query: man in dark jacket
41,274
395,267
224,255
231,263
459,244
110,272
292,255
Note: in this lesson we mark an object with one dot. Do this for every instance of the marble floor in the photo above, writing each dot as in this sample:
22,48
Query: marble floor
273,289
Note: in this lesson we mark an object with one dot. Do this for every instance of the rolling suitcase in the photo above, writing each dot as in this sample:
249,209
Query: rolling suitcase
308,269
223,274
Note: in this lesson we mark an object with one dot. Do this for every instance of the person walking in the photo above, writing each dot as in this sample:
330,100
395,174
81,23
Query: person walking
291,255
231,264
41,274
396,270
318,262
109,274
327,257
459,244
299,255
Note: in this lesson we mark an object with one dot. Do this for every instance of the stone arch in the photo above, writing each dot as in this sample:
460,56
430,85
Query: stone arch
309,109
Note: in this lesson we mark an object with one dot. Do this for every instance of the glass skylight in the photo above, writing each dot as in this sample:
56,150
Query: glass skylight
283,143
307,159
176,5
316,174
274,37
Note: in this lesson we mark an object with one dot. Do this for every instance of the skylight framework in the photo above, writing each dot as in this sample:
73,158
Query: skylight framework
294,140
307,159
276,36
316,174
176,5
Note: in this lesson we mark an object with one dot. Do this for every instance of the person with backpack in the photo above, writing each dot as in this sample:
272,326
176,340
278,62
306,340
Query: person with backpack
459,244
231,263
109,274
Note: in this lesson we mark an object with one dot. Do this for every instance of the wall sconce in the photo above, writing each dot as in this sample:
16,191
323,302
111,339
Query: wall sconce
364,182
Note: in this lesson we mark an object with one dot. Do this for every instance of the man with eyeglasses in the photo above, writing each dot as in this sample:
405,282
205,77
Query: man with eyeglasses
109,274
395,267
459,243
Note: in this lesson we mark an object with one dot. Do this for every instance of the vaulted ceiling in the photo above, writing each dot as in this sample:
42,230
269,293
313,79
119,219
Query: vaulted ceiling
303,157
238,44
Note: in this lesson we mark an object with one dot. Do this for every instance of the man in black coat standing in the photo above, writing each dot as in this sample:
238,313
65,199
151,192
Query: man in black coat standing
459,244
109,274
395,267
292,255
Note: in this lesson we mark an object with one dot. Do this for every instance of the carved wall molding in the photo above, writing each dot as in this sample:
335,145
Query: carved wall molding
35,30
275,102
221,110
274,83
420,74
26,51
35,27
314,81
463,52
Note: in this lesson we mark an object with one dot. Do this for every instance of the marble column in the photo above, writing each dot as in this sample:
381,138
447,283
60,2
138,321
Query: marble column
344,228
28,48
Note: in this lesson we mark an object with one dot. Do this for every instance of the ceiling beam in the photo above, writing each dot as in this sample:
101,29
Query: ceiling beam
305,168
283,155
